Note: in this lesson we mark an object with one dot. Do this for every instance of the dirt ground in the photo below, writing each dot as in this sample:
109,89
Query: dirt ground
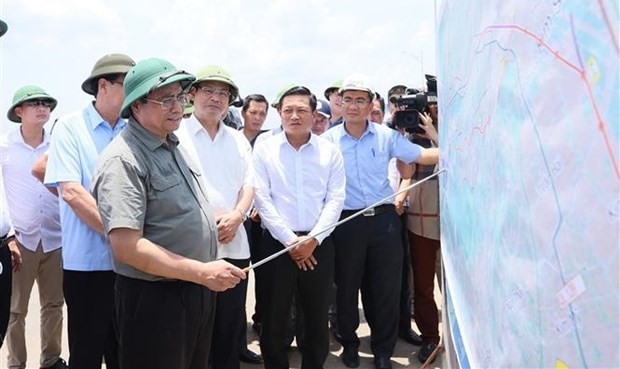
405,355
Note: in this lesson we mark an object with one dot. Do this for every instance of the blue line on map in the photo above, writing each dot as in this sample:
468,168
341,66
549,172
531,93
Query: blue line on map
556,200
572,31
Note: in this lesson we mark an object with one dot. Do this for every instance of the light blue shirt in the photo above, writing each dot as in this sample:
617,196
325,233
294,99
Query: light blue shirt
77,141
366,161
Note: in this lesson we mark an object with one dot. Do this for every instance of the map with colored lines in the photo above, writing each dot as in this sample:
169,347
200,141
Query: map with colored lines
529,98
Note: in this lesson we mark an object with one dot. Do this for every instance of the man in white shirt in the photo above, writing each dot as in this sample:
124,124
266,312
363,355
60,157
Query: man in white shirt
224,155
36,219
300,191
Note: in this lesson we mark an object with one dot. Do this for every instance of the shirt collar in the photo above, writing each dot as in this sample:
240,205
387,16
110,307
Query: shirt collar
150,140
370,129
94,119
194,126
15,136
281,137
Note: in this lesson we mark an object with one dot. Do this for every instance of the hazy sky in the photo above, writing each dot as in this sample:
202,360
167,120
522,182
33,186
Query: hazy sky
264,44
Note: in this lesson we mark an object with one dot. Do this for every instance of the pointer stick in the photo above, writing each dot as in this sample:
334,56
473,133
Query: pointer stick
286,249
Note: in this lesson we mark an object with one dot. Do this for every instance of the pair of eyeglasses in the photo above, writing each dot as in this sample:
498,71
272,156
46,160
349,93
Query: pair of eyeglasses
168,103
209,91
35,103
360,103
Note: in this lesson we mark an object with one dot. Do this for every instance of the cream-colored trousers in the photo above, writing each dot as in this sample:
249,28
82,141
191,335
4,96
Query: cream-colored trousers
46,269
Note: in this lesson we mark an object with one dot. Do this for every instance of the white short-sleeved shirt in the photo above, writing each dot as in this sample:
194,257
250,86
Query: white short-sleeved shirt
225,162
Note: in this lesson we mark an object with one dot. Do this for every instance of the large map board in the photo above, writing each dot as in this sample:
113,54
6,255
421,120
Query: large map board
529,131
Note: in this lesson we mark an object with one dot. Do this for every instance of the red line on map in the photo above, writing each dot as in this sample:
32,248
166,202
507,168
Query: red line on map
582,74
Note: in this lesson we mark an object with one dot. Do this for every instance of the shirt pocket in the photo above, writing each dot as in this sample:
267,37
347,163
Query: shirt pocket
168,196
161,184
379,161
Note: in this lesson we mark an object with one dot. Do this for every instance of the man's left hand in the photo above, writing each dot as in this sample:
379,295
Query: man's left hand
227,226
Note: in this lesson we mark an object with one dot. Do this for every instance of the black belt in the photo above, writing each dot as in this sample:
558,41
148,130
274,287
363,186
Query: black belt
301,233
377,210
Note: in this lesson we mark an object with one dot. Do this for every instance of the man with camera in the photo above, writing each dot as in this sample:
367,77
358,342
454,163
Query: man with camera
416,113
424,231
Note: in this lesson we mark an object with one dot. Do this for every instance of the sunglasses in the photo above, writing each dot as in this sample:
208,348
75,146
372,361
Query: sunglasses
36,103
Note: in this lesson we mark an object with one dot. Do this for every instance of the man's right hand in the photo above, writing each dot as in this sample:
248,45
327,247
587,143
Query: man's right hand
220,275
16,256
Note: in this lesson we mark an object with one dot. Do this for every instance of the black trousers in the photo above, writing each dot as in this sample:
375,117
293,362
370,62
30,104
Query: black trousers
369,255
90,319
164,325
255,236
229,313
282,278
6,280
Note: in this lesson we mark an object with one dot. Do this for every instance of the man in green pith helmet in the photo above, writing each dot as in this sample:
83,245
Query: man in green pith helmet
224,155
162,229
88,278
332,95
38,235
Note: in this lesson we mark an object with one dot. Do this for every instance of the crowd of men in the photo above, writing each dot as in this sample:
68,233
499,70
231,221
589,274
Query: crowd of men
143,212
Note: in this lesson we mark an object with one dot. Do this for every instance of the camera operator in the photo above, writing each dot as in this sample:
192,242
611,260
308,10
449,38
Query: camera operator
393,93
423,226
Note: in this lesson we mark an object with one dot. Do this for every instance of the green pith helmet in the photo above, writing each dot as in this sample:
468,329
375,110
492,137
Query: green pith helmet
28,93
108,64
3,27
149,75
218,74
333,87
276,101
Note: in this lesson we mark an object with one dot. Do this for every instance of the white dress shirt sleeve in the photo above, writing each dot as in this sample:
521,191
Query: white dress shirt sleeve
270,217
334,198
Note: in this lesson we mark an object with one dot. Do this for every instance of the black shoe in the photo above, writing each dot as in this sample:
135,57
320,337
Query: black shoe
411,337
250,357
59,364
426,350
383,362
350,357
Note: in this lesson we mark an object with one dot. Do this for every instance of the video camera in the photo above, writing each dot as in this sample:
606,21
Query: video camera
414,102
238,103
